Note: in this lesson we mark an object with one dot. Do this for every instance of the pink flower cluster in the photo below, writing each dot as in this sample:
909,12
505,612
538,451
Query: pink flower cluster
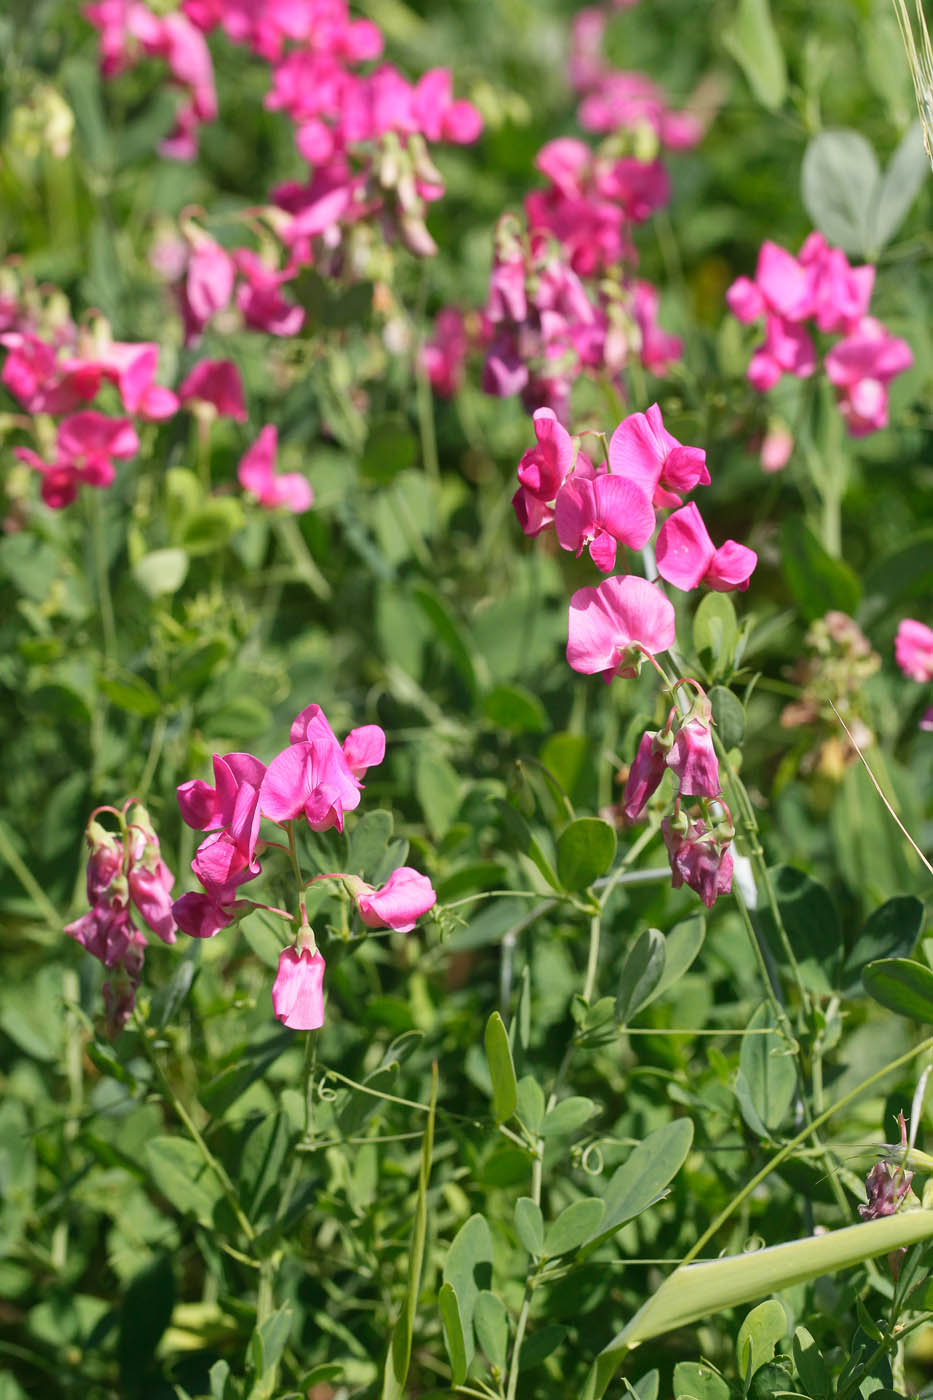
616,625
599,508
613,100
364,133
124,870
913,651
210,279
317,778
546,327
820,287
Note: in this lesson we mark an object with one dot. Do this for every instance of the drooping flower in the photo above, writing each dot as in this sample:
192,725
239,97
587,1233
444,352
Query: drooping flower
698,859
693,758
297,992
399,903
646,772
613,625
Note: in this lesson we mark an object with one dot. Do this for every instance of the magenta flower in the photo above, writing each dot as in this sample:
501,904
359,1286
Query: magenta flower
645,774
861,366
643,450
399,903
687,557
259,298
315,775
693,758
699,860
218,383
913,650
200,916
598,511
612,625
297,992
256,474
86,442
544,468
208,284
233,804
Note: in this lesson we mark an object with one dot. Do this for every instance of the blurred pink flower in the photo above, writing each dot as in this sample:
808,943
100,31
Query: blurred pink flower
913,649
216,382
256,474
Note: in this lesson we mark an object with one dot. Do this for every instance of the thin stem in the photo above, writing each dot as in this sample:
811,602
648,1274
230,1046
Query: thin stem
152,757
102,575
194,1132
294,541
789,1147
26,878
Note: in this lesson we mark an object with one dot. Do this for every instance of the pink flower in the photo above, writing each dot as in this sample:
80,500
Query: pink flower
200,916
599,511
543,469
840,294
259,298
444,355
913,650
216,382
658,349
613,624
85,444
687,557
399,903
643,450
698,860
533,516
233,804
776,448
297,992
315,775
861,367
645,774
693,758
256,474
208,285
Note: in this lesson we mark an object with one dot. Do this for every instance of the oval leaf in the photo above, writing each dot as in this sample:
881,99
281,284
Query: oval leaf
641,1180
585,850
573,1226
453,1333
641,973
759,1335
753,42
529,1225
839,185
901,985
492,1327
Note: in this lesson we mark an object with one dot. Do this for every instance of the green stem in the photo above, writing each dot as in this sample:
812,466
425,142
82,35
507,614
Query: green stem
102,575
194,1132
152,757
26,878
790,1147
294,541
425,406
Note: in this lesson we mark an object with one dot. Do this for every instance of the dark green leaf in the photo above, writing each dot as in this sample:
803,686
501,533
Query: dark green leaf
681,946
131,694
144,1316
540,1344
694,1381
641,974
817,582
641,1179
368,842
715,633
767,1075
449,633
585,850
812,925
514,708
902,985
390,448
728,716
811,1367
890,932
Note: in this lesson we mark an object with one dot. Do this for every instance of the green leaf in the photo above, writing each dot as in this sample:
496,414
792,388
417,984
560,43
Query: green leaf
839,186
250,1064
890,932
501,1068
438,788
642,971
399,1358
266,934
767,1077
585,850
529,1225
368,841
273,1333
641,1179
217,1376
514,708
131,694
728,716
530,1102
694,1381
903,180
180,1173
759,1335
753,42
816,581
468,1269
715,633
525,841
263,1150
567,1116
492,1327
390,447
702,1290
681,946
211,526
902,985
540,1344
453,1333
144,1316
812,926
162,571
811,1368
575,1225
449,633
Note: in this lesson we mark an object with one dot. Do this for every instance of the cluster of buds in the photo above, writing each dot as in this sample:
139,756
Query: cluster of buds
832,677
819,286
316,778
125,871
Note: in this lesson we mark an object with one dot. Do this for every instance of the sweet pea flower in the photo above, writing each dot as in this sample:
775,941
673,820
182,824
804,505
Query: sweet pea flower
612,625
913,649
693,759
215,382
85,442
399,903
260,300
208,284
840,294
599,511
256,474
315,775
699,860
643,450
687,557
200,916
543,469
861,366
232,804
297,992
646,772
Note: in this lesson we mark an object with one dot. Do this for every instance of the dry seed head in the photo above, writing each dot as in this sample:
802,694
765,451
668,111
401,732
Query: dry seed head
920,59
